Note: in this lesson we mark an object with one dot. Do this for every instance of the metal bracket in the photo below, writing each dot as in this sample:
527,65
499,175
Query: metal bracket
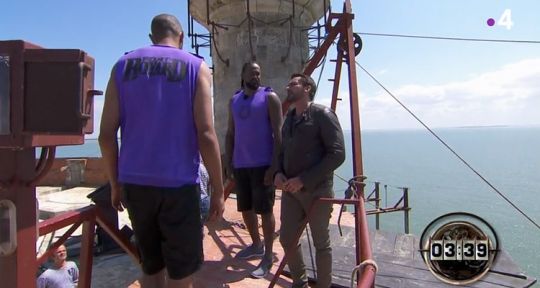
8,227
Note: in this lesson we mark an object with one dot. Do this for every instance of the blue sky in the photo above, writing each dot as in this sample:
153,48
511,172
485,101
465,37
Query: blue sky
447,83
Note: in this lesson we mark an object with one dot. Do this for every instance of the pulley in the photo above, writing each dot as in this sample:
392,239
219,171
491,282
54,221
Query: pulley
357,44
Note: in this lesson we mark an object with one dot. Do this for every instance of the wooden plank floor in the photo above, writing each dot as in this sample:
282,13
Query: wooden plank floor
401,265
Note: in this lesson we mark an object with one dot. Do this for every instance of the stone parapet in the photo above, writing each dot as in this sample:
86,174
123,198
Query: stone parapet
72,172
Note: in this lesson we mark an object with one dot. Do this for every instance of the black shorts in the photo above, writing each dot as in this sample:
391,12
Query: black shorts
252,194
167,226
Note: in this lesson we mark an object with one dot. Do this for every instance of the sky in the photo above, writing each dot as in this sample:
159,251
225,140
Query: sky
445,83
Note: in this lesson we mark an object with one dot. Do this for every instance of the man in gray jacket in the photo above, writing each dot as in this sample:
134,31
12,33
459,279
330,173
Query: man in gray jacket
312,148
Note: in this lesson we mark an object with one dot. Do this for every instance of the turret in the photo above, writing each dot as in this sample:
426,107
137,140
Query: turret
271,32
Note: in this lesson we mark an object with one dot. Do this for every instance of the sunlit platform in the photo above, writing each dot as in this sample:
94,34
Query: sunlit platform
397,256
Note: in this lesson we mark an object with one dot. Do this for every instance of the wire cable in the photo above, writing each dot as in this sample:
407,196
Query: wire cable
450,148
308,236
451,38
341,178
320,75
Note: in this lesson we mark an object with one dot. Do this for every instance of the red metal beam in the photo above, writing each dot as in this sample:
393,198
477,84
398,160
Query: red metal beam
286,249
66,219
369,273
43,257
333,32
337,79
17,168
88,216
86,257
358,168
117,237
51,152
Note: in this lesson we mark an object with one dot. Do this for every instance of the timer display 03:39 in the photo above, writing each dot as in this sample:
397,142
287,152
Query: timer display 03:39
459,250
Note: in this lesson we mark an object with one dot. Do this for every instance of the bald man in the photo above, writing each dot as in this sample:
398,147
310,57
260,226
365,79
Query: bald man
159,98
63,273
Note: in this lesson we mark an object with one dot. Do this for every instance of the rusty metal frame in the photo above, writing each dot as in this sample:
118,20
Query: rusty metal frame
206,38
44,165
21,53
356,202
402,204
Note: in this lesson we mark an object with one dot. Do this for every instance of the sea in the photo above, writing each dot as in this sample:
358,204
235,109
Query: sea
439,183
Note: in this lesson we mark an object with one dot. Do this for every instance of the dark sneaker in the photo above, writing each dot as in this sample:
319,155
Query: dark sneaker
262,270
250,252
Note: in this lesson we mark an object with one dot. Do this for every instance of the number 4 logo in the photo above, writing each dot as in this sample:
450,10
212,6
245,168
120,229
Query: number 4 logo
506,19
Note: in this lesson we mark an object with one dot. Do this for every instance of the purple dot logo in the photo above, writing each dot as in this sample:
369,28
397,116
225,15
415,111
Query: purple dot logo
491,22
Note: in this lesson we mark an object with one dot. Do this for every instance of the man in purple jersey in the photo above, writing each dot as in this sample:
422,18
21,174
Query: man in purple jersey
159,98
253,137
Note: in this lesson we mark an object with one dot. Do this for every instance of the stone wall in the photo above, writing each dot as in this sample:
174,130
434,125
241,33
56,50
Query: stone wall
72,172
276,39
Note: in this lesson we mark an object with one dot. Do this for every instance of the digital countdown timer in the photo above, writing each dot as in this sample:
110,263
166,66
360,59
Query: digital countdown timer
459,248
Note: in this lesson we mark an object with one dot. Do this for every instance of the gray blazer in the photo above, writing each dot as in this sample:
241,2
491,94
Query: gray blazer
312,146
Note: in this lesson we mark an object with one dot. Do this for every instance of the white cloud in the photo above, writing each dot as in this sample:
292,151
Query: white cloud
509,95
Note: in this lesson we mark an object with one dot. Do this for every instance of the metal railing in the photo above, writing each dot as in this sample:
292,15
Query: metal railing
402,204
363,248
88,217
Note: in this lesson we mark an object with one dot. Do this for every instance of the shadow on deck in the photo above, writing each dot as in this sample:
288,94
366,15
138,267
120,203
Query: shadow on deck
400,263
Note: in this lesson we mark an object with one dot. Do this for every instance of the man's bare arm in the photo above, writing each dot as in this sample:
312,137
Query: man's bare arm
229,142
276,121
108,141
207,138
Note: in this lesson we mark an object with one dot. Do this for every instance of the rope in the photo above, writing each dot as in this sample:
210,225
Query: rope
282,20
290,20
360,268
214,31
250,26
304,8
341,178
451,150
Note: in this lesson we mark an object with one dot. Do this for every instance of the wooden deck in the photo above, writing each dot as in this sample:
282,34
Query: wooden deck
400,263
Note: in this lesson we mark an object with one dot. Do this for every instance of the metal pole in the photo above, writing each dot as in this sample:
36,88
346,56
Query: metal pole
406,207
189,19
377,204
321,52
16,170
207,12
337,79
86,257
324,11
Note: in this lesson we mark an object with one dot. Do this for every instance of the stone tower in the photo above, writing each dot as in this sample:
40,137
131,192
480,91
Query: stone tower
271,32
